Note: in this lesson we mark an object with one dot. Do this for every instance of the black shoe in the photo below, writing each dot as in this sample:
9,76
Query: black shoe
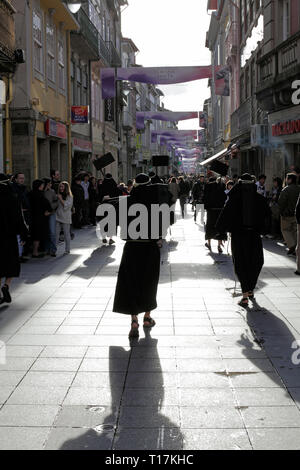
6,295
291,251
53,255
297,273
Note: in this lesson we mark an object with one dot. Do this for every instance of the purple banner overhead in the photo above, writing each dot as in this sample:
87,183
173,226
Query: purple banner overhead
173,133
153,75
168,116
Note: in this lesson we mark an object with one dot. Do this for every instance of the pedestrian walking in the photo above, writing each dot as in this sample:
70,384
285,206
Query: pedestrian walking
51,196
198,198
275,209
12,225
138,276
55,179
108,190
184,191
85,183
64,214
40,210
214,200
173,188
244,216
287,204
19,188
78,195
298,237
261,185
93,199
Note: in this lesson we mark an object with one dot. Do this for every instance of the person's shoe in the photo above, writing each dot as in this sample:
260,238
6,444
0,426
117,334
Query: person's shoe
73,235
291,251
297,273
244,302
6,295
66,253
208,246
53,255
220,250
111,242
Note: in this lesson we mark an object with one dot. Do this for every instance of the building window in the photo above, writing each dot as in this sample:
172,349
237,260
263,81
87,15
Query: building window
61,64
37,42
50,34
286,19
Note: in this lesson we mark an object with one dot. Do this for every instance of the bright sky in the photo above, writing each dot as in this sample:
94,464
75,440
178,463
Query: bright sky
171,33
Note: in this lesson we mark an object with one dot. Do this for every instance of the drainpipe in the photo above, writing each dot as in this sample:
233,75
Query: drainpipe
8,148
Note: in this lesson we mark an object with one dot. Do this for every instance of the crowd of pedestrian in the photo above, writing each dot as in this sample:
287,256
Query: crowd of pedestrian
37,220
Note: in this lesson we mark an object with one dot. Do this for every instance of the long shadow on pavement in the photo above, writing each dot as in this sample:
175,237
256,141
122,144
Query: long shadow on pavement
136,420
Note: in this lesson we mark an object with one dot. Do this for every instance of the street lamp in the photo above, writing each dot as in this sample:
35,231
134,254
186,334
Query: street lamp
74,5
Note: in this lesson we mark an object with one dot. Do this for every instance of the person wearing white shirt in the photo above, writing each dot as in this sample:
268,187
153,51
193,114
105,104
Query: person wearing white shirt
64,213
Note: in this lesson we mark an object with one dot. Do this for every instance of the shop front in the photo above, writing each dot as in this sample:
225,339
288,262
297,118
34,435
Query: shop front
81,155
284,132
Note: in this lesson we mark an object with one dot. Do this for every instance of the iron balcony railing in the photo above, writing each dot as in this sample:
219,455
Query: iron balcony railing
241,119
104,51
115,59
89,32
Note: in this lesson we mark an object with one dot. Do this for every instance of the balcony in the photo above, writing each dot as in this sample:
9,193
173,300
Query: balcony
86,40
7,37
104,52
114,56
277,70
241,120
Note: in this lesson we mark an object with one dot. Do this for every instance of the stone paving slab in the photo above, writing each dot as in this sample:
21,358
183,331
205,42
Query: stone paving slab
210,375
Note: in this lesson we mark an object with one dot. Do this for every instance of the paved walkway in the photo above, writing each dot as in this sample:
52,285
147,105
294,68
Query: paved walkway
210,375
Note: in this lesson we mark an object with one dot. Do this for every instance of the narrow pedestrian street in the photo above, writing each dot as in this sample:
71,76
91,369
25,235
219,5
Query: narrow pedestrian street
209,375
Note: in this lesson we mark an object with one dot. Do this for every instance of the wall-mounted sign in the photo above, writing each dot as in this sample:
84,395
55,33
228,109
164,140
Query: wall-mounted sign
109,110
286,128
82,145
80,114
55,129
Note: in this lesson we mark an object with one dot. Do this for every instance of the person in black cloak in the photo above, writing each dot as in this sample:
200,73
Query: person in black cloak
108,190
244,216
12,224
139,271
214,200
41,209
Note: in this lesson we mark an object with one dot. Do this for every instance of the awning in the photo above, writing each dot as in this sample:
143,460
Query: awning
215,157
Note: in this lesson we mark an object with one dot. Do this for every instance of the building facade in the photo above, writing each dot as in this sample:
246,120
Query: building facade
7,69
40,109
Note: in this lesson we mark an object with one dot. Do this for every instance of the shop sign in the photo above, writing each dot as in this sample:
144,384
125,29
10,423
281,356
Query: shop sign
286,128
82,145
55,129
80,114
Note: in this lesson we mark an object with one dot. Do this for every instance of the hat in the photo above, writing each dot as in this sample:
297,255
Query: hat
142,179
108,176
246,177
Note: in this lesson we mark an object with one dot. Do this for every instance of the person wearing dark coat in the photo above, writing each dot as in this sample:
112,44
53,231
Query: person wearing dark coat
244,216
93,197
214,200
40,210
108,190
12,225
138,276
78,202
184,191
198,198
